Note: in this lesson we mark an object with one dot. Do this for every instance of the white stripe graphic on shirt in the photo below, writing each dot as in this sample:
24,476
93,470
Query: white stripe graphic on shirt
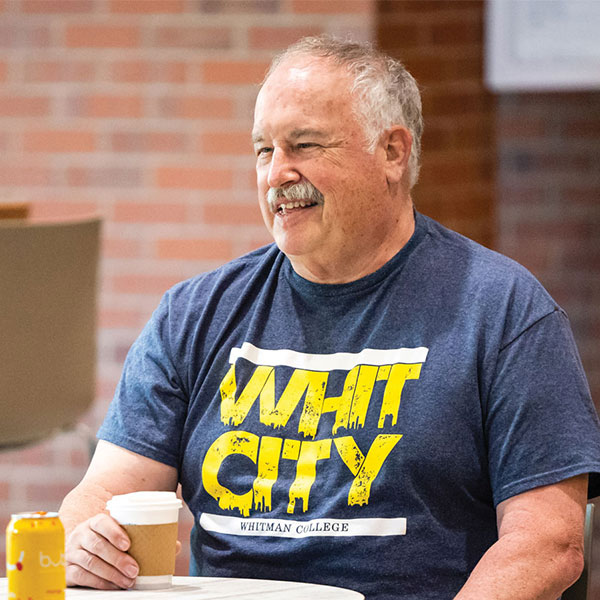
344,361
288,528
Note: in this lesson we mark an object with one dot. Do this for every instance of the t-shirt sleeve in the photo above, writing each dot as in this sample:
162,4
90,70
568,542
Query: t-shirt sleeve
541,424
149,408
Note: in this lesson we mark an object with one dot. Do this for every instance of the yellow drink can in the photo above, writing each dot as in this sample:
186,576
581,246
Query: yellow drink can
35,557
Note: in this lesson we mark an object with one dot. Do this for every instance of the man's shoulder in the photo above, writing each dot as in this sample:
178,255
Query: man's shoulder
458,252
232,275
483,276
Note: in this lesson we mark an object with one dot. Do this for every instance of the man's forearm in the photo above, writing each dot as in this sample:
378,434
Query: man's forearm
539,552
102,480
520,567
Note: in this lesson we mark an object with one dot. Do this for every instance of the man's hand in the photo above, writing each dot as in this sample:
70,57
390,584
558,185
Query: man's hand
96,556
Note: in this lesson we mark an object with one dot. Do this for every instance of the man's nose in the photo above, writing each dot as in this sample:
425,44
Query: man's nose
282,170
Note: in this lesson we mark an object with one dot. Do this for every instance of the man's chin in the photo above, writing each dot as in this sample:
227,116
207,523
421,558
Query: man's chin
299,237
291,245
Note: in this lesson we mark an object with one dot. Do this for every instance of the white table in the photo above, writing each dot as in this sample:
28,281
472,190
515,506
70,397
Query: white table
213,588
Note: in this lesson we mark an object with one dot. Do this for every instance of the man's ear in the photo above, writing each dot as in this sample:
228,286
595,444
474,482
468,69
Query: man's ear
397,144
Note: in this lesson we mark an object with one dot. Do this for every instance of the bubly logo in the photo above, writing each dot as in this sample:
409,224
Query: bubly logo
47,563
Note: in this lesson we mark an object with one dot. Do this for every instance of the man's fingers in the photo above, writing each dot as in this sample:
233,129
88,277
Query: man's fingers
93,556
109,529
109,545
99,553
85,568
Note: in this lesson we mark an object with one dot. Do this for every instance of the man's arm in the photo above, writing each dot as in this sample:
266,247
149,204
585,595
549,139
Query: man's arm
95,544
539,552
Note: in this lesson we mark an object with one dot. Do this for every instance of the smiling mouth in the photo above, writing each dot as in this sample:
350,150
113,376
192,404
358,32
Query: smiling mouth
287,207
295,197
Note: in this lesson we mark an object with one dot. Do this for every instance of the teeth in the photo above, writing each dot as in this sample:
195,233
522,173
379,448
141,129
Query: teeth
290,205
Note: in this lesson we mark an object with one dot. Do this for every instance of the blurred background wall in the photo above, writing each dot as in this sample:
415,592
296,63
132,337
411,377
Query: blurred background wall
140,111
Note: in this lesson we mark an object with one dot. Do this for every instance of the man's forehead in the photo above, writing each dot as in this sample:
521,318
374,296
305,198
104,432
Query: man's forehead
298,75
303,72
305,82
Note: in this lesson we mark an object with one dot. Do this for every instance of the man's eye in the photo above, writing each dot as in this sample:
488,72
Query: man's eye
264,150
304,145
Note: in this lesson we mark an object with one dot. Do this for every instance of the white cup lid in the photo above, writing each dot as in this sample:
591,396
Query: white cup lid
145,500
144,508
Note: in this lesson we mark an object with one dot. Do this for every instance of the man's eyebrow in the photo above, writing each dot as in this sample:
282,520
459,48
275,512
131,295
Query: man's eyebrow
298,133
258,137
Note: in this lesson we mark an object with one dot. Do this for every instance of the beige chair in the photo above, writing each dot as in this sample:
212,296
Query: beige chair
48,290
582,588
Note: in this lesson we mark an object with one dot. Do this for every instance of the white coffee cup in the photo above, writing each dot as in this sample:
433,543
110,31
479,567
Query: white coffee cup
150,520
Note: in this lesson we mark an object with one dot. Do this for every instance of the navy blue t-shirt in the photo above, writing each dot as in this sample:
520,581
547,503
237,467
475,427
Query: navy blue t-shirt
358,434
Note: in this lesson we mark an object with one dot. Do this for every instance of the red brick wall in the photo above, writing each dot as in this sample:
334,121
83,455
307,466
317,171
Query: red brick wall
441,44
139,110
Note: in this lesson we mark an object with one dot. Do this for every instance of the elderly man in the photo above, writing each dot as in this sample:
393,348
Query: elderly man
373,401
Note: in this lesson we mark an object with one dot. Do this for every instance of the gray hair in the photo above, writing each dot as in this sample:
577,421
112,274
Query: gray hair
386,93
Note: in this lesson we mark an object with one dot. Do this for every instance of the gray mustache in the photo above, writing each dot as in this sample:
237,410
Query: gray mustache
303,190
